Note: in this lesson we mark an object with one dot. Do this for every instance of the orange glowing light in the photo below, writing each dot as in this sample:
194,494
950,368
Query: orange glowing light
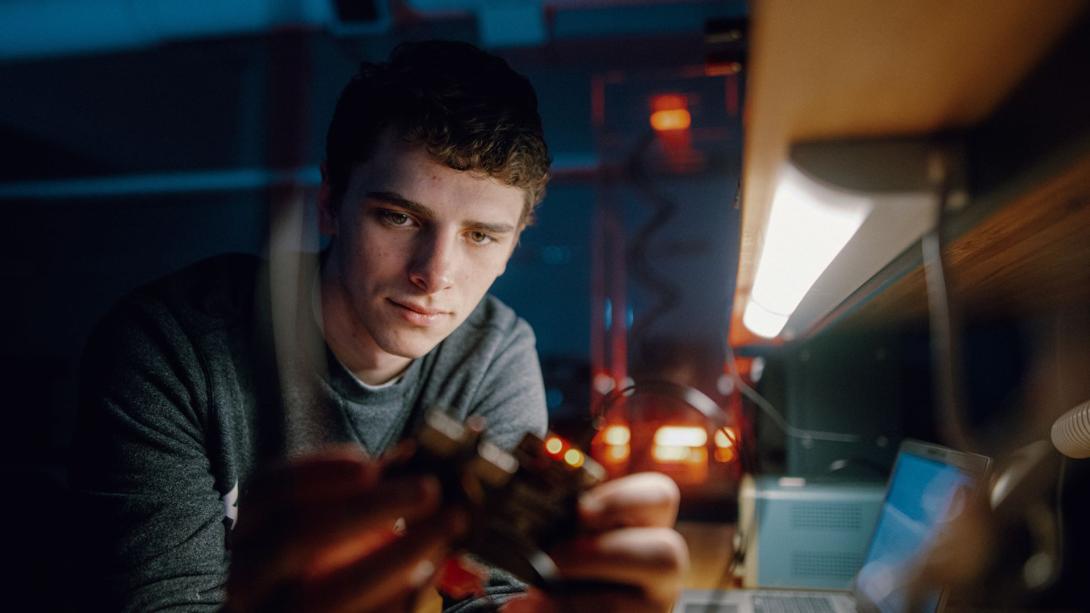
670,453
668,102
724,437
724,454
574,458
679,454
670,112
681,436
617,453
698,455
616,435
671,120
554,445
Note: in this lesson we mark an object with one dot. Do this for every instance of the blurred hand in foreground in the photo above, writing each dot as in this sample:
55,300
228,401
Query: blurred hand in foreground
627,557
318,534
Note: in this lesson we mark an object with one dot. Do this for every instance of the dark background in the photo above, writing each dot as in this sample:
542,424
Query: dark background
127,156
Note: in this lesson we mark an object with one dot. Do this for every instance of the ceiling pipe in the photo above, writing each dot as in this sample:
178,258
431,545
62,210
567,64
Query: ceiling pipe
31,29
566,167
35,29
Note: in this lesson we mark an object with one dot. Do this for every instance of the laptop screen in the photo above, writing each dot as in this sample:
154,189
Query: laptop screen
926,489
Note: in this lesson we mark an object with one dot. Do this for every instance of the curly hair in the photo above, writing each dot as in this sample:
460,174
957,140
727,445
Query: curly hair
466,107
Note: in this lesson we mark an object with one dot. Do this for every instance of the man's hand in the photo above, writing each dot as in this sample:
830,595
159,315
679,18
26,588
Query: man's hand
628,544
319,535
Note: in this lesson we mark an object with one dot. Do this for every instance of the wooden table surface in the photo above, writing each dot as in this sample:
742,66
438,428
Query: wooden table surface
710,545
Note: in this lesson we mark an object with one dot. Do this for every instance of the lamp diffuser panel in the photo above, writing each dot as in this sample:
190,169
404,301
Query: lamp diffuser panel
808,225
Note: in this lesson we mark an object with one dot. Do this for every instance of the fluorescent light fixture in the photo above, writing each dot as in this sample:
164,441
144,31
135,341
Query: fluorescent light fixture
809,224
825,192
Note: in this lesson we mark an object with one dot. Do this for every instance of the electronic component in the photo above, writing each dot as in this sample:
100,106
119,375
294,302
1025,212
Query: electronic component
520,503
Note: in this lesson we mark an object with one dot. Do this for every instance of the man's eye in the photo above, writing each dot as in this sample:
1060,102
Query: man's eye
394,218
480,238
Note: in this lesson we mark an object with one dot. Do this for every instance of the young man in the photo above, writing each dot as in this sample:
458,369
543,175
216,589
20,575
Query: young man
227,457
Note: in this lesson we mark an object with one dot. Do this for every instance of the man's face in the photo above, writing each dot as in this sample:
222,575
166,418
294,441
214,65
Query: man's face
416,245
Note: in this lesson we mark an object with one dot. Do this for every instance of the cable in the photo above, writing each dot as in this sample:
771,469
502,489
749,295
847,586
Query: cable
764,404
1061,480
743,534
667,293
945,349
712,413
774,414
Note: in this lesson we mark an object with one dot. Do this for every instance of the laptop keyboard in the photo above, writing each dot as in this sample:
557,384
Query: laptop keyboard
776,603
711,607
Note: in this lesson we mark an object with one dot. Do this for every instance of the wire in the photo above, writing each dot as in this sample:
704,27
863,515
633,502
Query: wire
667,293
1061,480
744,534
760,400
776,417
945,349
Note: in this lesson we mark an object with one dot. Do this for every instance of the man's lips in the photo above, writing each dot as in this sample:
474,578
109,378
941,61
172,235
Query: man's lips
417,314
420,309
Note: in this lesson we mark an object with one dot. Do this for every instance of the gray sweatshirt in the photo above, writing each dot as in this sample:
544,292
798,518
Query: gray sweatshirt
185,393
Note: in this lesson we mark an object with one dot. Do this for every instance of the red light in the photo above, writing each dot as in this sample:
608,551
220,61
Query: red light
668,102
670,112
665,121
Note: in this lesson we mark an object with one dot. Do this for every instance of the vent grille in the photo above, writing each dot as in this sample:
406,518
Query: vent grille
826,516
825,565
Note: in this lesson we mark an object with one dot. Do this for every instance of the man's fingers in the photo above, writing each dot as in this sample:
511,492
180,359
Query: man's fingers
402,567
644,499
628,542
285,541
350,511
654,560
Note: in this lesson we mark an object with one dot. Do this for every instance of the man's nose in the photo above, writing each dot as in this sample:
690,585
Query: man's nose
433,265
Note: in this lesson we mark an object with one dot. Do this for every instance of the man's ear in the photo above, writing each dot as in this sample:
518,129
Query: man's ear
327,209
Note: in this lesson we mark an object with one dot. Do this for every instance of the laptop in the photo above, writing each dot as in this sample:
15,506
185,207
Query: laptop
925,488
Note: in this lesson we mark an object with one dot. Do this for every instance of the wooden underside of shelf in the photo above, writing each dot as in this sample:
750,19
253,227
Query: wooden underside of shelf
1031,255
856,68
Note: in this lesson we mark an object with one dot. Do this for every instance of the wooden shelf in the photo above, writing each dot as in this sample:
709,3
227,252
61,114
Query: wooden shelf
855,68
1031,255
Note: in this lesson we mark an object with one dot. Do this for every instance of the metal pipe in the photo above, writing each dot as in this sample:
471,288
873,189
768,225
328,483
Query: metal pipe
43,28
565,167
